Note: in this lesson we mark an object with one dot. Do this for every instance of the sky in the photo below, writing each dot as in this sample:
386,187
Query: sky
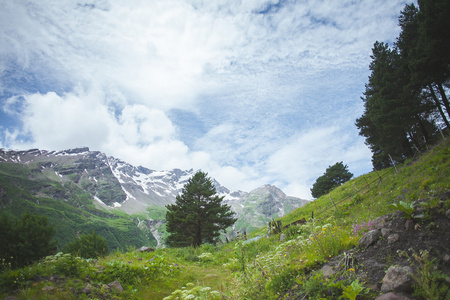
251,91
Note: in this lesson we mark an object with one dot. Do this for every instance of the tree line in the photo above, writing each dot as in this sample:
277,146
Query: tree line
405,100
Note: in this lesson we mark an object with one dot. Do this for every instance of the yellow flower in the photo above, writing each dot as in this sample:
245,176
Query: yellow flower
351,269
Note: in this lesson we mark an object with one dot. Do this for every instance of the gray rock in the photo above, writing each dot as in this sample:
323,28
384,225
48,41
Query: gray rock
327,271
369,238
282,237
397,279
116,286
447,213
385,231
87,289
409,224
145,249
380,222
392,296
392,238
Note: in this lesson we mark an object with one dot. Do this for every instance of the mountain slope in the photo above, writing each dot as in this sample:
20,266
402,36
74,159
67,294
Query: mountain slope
107,187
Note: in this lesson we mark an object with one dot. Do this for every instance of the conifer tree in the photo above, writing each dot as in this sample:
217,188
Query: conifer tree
334,176
198,214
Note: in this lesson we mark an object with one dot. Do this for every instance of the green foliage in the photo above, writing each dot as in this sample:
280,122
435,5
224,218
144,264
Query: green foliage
405,97
190,291
198,215
334,176
88,246
25,240
431,284
406,208
353,290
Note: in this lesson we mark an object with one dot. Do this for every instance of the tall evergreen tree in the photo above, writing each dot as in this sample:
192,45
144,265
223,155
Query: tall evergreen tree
198,214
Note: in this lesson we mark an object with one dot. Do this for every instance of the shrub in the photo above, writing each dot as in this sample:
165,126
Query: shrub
88,246
25,240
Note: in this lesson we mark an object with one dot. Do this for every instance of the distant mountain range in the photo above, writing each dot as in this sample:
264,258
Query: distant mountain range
114,185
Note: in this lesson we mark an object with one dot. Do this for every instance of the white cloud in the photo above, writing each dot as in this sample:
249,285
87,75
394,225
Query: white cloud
274,92
307,155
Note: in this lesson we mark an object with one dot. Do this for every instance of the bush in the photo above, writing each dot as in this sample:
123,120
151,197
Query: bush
88,246
25,240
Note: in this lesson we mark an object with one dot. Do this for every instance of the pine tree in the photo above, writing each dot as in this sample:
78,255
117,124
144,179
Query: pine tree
334,176
198,214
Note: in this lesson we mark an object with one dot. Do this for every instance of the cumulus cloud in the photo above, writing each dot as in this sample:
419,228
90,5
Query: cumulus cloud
253,91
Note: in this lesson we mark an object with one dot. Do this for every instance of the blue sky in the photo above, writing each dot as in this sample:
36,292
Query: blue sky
252,92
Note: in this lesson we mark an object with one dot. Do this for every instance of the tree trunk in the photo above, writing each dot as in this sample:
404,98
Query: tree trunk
444,98
438,105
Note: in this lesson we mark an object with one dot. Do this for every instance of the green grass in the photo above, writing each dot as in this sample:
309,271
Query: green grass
263,269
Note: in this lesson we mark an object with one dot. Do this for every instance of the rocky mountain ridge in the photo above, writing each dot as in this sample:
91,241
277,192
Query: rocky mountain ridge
113,183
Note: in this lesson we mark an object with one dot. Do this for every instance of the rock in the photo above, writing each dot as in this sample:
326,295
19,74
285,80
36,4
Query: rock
145,249
447,213
385,231
87,289
380,222
392,238
397,279
282,237
369,238
446,258
48,288
55,278
392,296
327,271
409,224
417,227
116,286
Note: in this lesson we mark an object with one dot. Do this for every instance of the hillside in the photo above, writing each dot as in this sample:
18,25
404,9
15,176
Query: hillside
330,256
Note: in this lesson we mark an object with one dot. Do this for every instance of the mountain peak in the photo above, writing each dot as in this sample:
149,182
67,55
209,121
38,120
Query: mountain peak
269,189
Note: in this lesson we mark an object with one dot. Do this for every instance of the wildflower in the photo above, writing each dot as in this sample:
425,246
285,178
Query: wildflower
351,270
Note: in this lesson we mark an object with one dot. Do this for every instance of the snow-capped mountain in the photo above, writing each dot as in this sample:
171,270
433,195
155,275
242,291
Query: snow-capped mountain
113,183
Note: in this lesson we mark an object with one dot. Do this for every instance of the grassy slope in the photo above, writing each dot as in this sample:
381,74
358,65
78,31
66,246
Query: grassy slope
267,268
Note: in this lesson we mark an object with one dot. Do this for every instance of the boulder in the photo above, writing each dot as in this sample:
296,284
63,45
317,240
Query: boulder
397,279
87,289
116,286
145,249
393,238
380,222
327,271
369,238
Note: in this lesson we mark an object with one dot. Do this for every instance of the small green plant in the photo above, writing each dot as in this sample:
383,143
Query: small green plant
353,290
205,256
190,291
406,208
